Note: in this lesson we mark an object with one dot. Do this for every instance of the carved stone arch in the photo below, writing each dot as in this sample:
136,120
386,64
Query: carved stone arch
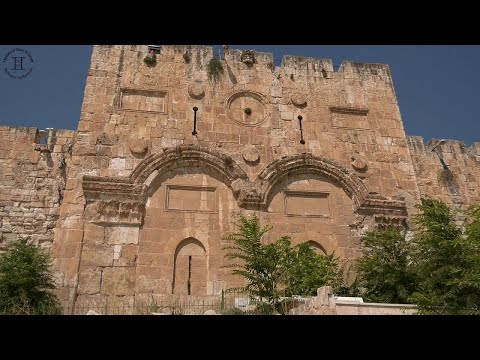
308,163
317,247
317,241
364,202
189,156
122,199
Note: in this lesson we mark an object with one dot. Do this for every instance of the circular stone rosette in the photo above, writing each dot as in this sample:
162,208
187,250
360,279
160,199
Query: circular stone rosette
251,155
138,146
247,108
359,163
196,90
298,99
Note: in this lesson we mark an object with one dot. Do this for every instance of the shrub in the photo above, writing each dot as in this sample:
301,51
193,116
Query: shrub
26,281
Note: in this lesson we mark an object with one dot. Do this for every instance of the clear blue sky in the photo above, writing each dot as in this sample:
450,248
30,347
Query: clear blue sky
438,87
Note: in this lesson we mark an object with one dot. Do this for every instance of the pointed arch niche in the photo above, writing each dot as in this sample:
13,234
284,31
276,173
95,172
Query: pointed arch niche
315,246
190,268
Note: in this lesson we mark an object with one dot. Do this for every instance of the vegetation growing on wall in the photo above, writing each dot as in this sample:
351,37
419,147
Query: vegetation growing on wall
150,59
214,69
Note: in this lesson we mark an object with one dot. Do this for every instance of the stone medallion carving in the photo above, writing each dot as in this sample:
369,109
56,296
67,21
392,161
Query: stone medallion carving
196,90
359,162
138,146
248,57
251,155
298,99
247,108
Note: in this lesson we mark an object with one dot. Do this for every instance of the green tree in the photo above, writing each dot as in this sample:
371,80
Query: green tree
258,264
276,270
384,271
447,261
26,281
306,271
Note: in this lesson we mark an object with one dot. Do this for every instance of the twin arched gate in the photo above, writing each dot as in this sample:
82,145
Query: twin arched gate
163,225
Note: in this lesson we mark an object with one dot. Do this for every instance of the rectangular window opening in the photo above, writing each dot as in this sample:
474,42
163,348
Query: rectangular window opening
154,48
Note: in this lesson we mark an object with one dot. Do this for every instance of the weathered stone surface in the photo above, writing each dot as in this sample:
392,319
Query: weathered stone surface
460,183
32,185
107,139
138,205
94,234
250,154
121,235
89,280
118,281
127,255
138,146
97,255
359,163
196,90
298,99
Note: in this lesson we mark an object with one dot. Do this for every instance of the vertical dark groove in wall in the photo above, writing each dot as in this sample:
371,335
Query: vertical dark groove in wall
116,100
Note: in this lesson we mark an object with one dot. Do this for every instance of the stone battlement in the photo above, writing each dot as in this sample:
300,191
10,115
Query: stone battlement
418,144
447,169
308,69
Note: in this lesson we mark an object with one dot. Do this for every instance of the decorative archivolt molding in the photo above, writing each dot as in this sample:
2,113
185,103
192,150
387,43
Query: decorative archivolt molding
308,163
134,186
249,194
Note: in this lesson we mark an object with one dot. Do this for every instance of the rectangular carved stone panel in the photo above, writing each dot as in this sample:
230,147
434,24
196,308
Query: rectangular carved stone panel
191,198
349,118
143,100
304,203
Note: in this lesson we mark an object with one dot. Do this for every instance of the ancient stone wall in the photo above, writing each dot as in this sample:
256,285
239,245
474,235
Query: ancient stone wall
32,182
150,195
167,156
447,169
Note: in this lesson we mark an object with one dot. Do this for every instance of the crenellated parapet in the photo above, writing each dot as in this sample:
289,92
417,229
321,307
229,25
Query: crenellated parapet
447,169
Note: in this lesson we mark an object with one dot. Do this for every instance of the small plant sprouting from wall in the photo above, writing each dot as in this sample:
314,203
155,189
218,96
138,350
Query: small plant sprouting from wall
215,69
248,111
150,59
